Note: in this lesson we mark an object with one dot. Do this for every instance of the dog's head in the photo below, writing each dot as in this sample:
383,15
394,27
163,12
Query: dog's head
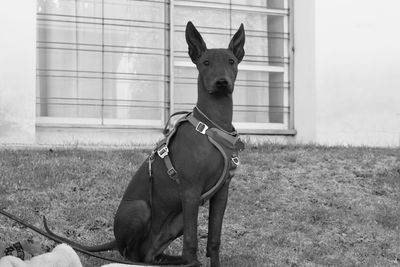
217,67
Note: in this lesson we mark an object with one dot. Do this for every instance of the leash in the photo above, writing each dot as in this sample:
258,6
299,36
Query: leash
59,240
56,239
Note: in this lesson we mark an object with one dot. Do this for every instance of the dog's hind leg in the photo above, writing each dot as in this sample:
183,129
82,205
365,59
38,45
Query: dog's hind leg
131,226
170,230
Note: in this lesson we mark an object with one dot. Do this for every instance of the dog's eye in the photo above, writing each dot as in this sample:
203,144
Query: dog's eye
206,62
231,61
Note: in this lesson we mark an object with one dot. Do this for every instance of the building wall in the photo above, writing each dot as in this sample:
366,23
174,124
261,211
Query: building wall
17,71
346,82
346,79
304,71
357,74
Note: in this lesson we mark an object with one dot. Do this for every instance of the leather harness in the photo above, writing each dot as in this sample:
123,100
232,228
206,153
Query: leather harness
228,144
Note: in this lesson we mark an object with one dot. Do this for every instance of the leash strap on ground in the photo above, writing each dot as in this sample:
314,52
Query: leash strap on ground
58,240
45,234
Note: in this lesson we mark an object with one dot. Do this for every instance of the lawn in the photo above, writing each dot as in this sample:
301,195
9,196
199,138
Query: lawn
288,205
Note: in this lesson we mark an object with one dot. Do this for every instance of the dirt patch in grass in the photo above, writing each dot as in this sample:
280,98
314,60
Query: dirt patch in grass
288,205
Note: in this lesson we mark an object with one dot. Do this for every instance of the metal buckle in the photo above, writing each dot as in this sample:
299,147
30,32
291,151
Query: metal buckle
172,172
235,161
201,128
163,151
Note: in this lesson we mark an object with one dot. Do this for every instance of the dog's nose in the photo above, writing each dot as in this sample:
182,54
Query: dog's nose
222,83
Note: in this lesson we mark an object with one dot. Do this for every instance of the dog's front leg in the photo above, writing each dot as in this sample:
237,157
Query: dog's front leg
216,215
190,207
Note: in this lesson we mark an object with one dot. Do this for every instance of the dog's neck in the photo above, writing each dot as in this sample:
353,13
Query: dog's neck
219,108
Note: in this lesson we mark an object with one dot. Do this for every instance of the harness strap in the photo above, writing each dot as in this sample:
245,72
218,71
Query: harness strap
166,130
163,151
228,145
232,141
162,147
225,175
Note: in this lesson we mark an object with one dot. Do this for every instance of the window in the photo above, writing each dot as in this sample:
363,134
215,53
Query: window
125,62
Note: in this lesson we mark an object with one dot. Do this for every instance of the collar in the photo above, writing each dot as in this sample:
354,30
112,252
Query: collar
229,141
201,116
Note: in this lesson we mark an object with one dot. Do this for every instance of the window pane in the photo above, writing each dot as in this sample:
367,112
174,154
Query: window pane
133,97
260,96
135,60
68,97
265,38
130,11
110,59
103,61
185,88
68,59
212,23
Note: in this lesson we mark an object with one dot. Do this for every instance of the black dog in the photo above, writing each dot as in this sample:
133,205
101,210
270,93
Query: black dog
200,157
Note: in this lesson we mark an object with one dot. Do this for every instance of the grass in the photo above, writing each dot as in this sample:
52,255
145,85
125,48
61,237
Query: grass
288,205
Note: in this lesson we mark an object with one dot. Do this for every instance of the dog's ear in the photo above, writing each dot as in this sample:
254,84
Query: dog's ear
197,46
237,43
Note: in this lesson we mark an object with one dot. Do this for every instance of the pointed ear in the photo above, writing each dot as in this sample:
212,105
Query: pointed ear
197,46
237,43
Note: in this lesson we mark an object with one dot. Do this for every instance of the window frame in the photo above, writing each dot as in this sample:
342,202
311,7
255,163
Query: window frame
285,128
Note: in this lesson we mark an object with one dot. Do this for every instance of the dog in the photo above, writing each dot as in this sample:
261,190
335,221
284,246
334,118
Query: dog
61,256
155,209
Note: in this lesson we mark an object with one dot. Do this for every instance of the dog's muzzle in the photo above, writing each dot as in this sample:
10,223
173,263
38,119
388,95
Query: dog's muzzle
221,86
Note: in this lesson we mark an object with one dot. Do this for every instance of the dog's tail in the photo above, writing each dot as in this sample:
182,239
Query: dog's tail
55,238
112,245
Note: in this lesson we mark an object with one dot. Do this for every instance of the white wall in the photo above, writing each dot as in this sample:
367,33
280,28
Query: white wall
346,74
17,71
346,79
357,72
304,71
